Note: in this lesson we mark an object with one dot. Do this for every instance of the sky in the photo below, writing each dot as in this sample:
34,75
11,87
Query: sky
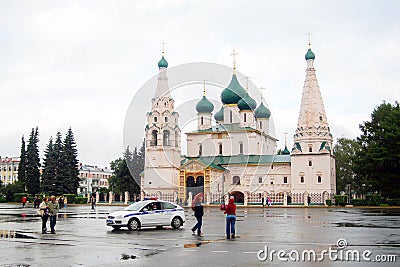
79,64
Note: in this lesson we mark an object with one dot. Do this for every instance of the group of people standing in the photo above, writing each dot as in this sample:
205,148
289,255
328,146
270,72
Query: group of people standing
48,209
229,210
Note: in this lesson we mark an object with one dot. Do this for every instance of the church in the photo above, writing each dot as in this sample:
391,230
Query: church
232,152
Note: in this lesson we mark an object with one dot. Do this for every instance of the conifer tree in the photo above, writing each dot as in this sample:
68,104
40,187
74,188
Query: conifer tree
22,164
70,164
32,180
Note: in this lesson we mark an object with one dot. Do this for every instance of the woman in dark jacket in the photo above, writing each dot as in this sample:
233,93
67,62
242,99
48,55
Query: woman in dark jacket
230,219
197,207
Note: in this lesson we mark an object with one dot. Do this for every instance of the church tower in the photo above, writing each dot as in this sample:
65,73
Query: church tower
204,110
312,160
163,144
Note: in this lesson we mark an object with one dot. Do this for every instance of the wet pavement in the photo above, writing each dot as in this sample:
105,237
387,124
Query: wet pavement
83,239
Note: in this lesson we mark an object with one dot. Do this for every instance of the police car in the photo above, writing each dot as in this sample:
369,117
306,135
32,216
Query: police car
147,213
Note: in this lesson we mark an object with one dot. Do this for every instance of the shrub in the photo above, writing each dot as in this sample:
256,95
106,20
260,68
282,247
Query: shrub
394,202
329,202
3,199
359,202
80,200
341,200
373,199
18,197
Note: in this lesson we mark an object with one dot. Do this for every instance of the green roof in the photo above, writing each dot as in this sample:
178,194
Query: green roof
262,112
247,103
162,63
225,128
219,116
233,93
221,161
310,54
204,106
286,151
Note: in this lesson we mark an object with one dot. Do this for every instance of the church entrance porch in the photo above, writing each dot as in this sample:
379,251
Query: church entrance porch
195,184
238,197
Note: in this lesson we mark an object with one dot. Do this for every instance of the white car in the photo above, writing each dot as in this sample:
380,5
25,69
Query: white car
147,213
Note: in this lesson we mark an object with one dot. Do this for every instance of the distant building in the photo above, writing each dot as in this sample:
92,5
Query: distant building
92,178
9,170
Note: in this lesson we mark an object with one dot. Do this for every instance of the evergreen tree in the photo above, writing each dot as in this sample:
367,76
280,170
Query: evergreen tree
32,180
49,169
22,164
70,164
378,160
344,151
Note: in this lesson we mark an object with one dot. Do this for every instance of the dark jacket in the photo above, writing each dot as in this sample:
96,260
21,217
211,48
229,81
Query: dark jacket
198,210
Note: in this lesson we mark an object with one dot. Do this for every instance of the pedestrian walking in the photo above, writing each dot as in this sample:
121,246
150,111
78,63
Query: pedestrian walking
197,207
262,201
24,200
60,202
93,201
230,219
43,212
65,202
53,211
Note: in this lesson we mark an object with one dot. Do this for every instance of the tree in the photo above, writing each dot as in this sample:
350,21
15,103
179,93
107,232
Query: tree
378,160
344,151
22,164
70,164
32,180
122,179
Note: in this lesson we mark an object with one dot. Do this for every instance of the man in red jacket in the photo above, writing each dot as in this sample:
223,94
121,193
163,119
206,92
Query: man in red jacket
230,219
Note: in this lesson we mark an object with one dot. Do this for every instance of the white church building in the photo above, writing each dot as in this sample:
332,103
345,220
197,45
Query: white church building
232,152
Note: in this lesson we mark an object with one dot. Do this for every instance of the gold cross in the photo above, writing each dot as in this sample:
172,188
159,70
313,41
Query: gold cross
234,54
309,39
204,90
163,43
261,90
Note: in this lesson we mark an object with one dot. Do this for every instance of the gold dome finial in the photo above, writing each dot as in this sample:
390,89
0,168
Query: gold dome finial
163,50
204,88
261,90
234,54
309,39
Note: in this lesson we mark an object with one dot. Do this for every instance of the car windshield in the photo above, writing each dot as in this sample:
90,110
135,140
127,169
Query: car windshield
135,206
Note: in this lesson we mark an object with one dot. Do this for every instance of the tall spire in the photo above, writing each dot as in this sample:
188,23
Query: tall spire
162,89
312,123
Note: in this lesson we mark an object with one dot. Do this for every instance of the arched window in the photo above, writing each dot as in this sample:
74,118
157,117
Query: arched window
302,179
200,149
310,163
244,117
310,149
153,141
201,120
220,148
166,137
166,119
260,124
240,148
319,179
236,180
155,119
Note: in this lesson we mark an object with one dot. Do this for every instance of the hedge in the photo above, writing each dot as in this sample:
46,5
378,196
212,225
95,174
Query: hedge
81,200
18,197
373,199
341,200
70,198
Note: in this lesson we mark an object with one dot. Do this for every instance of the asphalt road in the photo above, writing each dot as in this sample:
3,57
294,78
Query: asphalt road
83,239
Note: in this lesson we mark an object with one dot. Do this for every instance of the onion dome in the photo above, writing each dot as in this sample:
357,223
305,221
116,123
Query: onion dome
219,116
310,54
233,93
286,151
204,106
247,103
162,63
262,112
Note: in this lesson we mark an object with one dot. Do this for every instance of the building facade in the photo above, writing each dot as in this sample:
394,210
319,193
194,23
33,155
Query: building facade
9,170
92,179
235,154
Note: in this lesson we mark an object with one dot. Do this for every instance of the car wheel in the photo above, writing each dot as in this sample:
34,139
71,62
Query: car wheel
116,227
176,222
133,224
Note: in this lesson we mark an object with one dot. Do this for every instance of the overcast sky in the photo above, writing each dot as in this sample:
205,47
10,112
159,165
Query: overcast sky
79,63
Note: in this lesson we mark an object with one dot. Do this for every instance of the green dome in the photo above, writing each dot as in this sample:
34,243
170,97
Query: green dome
233,93
204,106
162,63
219,116
310,54
286,151
262,112
247,103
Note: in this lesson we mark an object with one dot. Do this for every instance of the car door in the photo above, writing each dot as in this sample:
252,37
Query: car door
168,211
151,214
